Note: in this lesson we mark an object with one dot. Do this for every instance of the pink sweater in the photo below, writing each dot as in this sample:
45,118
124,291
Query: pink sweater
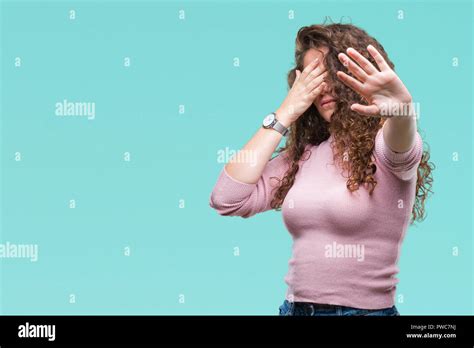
345,246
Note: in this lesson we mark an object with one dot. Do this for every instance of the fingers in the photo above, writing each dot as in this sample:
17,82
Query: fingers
309,68
381,63
298,74
351,82
318,90
362,61
356,70
316,72
316,81
367,110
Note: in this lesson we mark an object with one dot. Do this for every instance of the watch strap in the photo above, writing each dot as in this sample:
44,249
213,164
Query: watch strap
276,125
280,128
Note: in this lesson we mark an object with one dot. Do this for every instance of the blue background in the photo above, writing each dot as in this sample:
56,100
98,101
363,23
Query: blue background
174,156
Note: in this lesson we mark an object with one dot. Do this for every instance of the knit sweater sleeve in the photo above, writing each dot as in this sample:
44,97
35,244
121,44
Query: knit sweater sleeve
404,165
235,198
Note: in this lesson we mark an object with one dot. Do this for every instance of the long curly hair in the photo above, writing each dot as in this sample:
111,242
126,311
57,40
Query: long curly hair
354,135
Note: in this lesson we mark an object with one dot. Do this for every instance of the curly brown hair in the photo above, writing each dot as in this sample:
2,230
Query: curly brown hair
354,136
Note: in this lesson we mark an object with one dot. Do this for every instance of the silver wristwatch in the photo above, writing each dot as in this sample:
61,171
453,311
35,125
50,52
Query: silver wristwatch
270,121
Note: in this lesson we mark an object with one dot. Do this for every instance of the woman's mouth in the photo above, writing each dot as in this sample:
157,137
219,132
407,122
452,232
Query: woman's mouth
327,103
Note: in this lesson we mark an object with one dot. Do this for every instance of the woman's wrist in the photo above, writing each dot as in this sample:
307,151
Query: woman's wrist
283,117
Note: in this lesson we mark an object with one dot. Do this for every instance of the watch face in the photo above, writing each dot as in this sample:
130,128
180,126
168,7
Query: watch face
267,121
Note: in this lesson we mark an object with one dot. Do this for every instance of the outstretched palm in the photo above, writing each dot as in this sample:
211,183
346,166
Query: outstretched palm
381,88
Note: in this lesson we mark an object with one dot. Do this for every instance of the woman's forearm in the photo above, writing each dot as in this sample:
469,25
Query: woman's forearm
399,132
248,164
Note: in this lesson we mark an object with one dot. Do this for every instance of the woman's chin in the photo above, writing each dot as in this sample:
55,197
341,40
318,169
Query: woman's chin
327,115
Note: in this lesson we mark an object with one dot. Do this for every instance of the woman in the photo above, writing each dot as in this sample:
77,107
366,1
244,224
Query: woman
350,179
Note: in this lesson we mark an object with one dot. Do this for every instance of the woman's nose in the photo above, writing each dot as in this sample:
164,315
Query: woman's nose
326,89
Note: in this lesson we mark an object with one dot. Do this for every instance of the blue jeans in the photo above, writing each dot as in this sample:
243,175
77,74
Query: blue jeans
316,309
